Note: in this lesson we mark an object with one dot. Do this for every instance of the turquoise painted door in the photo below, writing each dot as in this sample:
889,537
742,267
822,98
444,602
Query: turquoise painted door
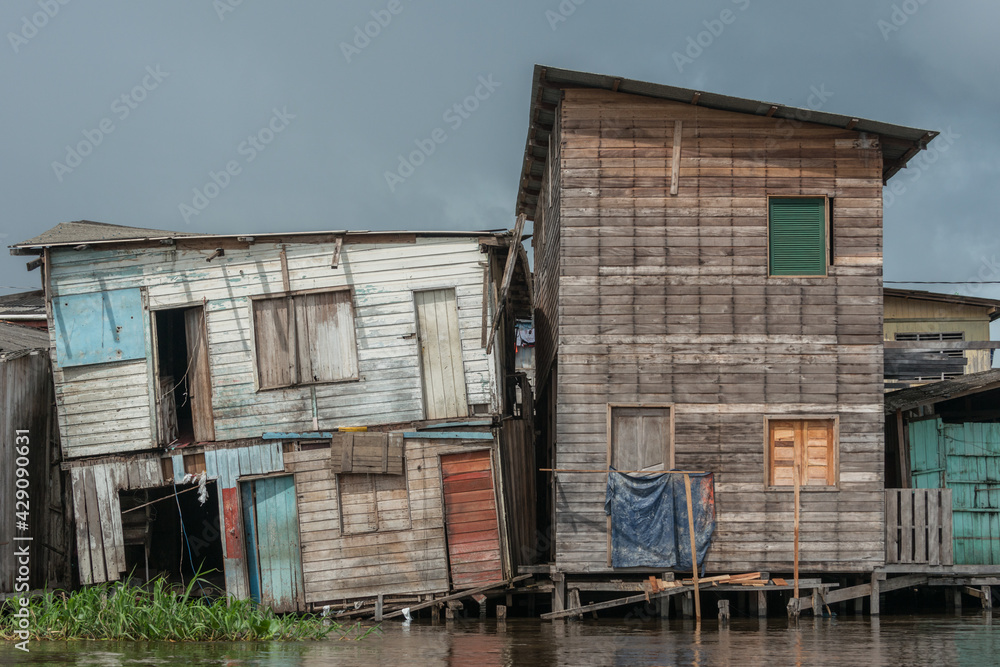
274,559
967,457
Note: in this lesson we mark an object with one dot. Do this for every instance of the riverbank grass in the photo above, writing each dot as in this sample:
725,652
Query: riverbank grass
122,611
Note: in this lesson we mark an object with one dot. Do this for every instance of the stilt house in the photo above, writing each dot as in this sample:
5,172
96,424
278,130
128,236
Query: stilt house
330,394
708,290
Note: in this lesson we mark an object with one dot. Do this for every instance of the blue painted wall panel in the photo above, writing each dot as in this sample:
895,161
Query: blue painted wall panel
99,327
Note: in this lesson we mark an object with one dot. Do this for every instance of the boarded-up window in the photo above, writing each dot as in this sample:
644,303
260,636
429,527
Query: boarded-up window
809,444
315,344
640,438
370,503
797,236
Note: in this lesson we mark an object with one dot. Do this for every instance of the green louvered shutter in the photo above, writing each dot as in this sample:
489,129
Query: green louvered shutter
797,237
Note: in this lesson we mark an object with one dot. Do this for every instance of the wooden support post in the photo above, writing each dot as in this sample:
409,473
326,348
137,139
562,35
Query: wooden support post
795,547
761,603
435,613
874,608
694,552
481,601
501,612
675,158
449,613
574,600
378,608
558,591
956,596
987,598
687,605
723,611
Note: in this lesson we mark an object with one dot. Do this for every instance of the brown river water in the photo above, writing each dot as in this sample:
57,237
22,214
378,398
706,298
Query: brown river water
969,639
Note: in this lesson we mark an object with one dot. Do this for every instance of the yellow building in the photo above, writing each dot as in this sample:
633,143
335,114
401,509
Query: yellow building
914,315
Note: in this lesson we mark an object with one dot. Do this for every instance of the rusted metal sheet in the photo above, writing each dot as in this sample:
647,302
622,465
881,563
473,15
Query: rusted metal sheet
471,519
231,517
441,363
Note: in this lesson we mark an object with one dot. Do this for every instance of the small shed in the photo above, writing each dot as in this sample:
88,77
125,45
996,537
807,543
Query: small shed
933,336
943,442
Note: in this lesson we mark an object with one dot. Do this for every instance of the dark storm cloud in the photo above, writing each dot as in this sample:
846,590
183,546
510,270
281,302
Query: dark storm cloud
371,84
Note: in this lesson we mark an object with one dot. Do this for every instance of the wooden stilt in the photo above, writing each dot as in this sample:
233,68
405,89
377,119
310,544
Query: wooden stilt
559,591
761,604
694,552
795,561
874,607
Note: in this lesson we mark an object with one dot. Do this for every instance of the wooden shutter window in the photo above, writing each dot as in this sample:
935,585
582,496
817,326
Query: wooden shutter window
273,344
797,236
808,443
640,438
376,453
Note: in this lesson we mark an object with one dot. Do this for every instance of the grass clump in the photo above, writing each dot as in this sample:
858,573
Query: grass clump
122,611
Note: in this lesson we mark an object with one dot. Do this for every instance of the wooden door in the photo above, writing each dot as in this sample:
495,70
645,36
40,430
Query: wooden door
271,526
441,354
471,519
200,376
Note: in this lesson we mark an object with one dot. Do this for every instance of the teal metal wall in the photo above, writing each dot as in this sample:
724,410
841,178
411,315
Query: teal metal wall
966,459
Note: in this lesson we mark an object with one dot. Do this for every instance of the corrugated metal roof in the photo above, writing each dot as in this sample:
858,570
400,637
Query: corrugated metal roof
15,338
98,233
898,143
942,390
23,303
992,304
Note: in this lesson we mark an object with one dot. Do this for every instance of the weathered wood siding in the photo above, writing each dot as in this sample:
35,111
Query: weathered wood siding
107,408
397,562
26,405
547,245
666,300
916,316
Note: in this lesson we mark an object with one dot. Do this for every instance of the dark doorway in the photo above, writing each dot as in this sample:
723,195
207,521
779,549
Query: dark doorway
184,385
170,535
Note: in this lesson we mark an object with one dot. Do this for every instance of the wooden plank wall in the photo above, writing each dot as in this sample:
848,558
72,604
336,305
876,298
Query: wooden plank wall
26,404
99,541
400,562
383,276
915,315
546,242
666,299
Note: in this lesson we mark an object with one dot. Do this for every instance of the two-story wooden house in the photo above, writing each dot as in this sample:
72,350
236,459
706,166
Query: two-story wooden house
708,293
330,395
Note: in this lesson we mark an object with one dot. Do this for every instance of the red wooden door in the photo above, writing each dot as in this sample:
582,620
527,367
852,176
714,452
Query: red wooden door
471,519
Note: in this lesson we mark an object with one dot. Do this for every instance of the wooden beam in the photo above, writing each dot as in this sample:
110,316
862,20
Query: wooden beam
850,125
773,110
339,245
904,472
461,594
597,606
795,482
508,276
932,345
695,98
675,161
694,551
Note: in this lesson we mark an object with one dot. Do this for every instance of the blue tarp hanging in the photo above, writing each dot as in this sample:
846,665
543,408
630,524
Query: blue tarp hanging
649,520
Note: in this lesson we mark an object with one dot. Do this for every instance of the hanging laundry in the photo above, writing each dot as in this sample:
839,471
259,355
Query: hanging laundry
649,519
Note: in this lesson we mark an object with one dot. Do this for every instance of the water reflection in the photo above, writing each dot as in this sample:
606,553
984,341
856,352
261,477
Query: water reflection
966,640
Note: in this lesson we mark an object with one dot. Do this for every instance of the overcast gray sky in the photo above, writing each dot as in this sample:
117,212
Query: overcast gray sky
119,111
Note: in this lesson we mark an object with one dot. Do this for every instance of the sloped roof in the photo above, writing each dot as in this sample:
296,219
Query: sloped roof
23,303
942,390
993,305
898,143
15,338
84,231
